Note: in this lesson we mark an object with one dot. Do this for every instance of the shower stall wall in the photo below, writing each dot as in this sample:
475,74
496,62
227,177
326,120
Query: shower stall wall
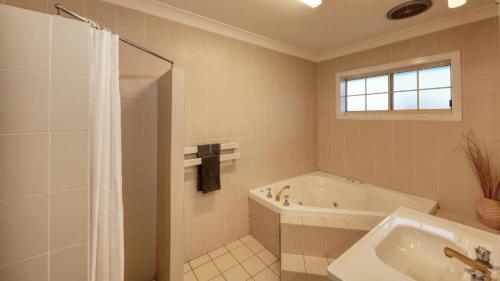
170,227
44,148
44,154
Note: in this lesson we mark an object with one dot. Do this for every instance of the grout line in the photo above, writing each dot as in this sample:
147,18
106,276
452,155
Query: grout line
43,132
23,260
68,247
49,176
24,196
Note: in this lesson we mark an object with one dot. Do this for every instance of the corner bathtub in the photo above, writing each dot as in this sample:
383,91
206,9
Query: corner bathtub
326,195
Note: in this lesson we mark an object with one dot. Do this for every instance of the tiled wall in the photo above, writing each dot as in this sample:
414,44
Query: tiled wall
139,121
170,228
234,91
44,161
422,158
265,226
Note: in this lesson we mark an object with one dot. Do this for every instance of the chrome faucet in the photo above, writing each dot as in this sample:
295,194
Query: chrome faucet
269,195
483,256
278,194
478,270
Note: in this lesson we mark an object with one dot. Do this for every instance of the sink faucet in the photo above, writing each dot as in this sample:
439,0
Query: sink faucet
479,270
278,195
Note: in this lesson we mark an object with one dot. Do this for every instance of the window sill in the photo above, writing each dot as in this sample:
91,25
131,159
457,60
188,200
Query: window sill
437,115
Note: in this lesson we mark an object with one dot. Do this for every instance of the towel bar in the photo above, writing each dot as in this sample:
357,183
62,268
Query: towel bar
223,157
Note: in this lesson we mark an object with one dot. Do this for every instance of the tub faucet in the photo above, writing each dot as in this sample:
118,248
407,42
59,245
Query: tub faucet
478,270
278,195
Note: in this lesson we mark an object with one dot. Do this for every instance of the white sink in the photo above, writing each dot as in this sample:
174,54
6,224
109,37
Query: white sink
408,246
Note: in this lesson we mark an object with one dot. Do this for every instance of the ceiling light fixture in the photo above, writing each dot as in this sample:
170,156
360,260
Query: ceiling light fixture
311,3
456,3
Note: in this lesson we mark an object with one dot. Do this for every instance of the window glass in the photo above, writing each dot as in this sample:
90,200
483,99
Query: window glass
378,84
405,100
405,81
356,87
435,99
356,103
425,88
436,77
377,102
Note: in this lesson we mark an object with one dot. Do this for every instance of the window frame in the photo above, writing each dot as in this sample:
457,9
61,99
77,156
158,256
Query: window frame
453,114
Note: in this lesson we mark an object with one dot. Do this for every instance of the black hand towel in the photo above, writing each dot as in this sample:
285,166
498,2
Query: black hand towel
209,170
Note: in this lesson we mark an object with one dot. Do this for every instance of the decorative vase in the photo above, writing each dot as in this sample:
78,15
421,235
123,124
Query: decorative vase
488,211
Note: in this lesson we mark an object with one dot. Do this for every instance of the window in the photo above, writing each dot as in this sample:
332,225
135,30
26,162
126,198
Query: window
425,88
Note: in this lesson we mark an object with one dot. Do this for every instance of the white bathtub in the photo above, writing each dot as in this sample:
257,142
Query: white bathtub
315,194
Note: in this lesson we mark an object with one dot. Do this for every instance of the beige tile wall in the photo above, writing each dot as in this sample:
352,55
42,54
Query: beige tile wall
170,230
234,91
44,162
265,226
422,158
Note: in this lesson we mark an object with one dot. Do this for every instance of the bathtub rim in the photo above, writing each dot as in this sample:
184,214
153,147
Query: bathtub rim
428,206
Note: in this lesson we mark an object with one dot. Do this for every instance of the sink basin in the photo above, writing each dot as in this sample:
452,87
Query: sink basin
419,254
408,246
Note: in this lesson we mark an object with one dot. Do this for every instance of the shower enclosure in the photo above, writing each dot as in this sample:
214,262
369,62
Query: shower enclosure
45,160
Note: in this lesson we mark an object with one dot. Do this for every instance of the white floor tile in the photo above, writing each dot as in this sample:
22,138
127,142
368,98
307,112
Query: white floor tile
206,271
233,245
266,275
253,265
218,278
225,262
267,257
247,239
199,261
189,276
244,259
236,273
217,252
242,253
276,267
255,246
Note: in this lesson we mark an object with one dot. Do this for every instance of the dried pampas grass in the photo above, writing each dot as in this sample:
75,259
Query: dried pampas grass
486,173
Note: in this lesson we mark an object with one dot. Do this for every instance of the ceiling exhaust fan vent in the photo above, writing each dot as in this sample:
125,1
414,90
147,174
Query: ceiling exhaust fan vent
409,9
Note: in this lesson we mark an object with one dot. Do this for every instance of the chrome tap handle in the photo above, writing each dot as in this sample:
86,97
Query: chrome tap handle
482,254
476,275
286,203
269,195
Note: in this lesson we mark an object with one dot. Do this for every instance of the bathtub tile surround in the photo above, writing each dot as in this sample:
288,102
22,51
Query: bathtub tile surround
264,226
302,267
44,161
234,262
319,240
421,158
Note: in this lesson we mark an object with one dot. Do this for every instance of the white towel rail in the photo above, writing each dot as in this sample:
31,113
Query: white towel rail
223,157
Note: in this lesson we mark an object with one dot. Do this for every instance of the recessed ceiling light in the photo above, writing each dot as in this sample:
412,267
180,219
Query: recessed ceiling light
311,3
456,3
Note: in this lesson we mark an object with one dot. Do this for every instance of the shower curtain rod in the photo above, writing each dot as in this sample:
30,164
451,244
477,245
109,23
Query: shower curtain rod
94,24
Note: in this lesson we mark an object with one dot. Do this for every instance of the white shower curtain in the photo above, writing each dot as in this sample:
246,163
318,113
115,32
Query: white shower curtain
106,259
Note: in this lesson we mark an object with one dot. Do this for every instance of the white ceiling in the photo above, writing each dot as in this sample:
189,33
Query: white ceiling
333,25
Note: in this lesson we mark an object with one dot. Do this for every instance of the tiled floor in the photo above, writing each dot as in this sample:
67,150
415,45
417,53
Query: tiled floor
240,260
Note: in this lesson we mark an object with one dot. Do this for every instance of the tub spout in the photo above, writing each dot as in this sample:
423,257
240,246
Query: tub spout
278,195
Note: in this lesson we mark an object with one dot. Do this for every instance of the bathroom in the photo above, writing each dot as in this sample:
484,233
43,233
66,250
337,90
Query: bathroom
339,144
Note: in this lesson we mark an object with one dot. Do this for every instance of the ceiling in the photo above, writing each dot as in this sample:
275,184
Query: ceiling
334,24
